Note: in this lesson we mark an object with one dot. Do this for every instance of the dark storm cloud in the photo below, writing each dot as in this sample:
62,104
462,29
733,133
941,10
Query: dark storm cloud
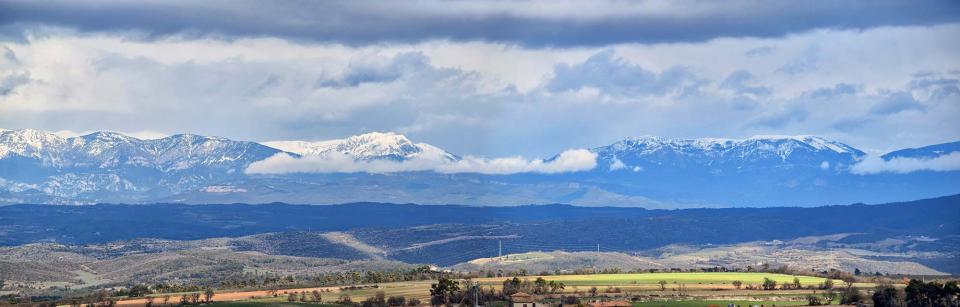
525,23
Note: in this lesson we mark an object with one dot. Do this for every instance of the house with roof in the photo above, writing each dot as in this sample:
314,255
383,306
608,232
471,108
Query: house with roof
521,299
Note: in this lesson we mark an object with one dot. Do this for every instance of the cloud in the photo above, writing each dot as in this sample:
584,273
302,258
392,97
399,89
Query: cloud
895,103
740,81
466,97
529,23
838,90
573,160
615,76
10,82
617,164
901,165
383,70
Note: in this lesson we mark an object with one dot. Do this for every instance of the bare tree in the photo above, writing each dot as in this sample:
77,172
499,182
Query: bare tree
149,301
316,296
663,285
208,295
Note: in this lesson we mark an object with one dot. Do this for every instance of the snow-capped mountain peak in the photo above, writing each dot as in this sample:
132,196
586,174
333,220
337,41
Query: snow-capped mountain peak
755,151
30,143
367,146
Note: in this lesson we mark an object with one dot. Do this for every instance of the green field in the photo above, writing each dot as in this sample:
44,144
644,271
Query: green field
679,278
698,303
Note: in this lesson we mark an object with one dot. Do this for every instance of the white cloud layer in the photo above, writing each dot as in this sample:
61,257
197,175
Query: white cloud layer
573,160
901,165
493,99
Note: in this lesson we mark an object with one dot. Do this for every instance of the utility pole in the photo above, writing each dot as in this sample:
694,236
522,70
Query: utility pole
476,294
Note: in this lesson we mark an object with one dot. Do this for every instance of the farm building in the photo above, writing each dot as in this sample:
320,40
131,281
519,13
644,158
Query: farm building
521,299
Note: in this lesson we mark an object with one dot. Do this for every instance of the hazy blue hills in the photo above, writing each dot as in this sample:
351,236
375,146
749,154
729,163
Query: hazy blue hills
616,228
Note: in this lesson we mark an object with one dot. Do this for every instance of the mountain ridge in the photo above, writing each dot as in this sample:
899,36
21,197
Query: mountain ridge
38,166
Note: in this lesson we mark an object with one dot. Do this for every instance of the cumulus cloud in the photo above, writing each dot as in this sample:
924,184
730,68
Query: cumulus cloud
573,160
617,164
616,76
465,97
895,103
874,164
529,23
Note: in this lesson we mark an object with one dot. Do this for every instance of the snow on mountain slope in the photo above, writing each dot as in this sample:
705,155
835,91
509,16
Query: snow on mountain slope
103,162
368,146
35,144
110,149
41,167
926,152
758,151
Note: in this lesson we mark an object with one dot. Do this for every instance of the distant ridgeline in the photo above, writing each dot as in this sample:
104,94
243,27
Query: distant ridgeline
39,167
617,229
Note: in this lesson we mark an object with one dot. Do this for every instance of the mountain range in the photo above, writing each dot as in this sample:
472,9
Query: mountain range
42,167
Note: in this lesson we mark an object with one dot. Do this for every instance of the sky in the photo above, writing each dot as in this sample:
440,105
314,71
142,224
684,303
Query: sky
486,78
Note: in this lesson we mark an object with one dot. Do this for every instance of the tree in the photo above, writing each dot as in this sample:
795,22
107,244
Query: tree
316,296
540,286
887,296
208,295
769,284
511,286
149,302
813,300
138,291
922,294
796,283
736,284
850,295
166,299
292,296
396,301
441,291
827,284
344,300
413,302
185,299
556,287
663,285
593,291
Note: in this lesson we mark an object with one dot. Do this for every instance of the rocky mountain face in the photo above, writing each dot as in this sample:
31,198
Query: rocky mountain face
41,167
759,152
91,166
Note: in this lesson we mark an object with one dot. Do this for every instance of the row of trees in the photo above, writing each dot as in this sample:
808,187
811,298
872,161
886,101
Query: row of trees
538,286
251,280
